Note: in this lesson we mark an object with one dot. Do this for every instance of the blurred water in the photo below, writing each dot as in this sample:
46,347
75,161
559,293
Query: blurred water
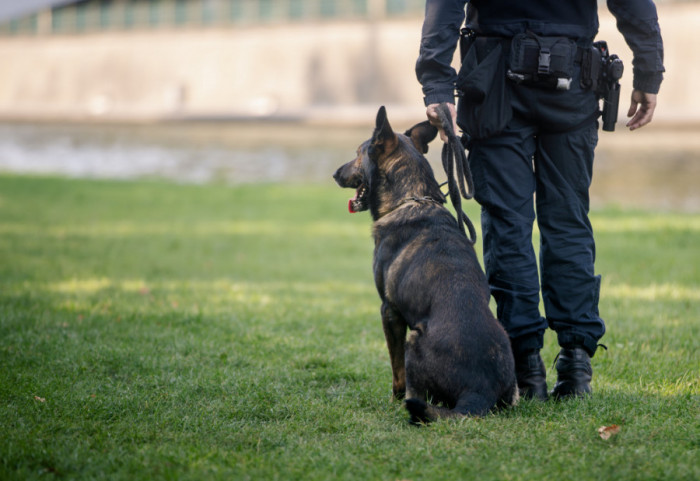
659,168
184,152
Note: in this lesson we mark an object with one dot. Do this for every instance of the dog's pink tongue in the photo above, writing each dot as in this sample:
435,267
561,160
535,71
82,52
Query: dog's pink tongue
350,202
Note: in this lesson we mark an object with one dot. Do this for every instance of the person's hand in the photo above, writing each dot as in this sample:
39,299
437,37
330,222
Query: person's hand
641,109
434,119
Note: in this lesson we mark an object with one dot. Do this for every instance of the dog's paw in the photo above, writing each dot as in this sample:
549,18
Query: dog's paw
399,394
418,411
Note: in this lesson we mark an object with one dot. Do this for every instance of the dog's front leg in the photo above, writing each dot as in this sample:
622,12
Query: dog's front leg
395,333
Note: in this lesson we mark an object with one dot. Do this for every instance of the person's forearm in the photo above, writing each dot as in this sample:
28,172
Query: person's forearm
440,34
637,20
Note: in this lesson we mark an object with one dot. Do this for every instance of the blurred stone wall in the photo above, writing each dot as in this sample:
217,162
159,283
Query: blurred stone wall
338,71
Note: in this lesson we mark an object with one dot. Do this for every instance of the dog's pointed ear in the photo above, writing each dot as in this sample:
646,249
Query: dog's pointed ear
384,139
422,134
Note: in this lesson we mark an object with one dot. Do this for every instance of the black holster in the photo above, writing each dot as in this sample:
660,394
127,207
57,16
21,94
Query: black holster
601,72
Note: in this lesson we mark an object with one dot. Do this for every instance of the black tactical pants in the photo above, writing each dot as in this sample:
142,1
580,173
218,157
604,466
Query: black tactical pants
540,168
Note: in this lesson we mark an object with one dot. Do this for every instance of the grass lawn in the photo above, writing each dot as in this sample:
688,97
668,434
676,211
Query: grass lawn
151,330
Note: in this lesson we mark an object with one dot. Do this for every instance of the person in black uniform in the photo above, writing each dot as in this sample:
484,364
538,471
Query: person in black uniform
534,134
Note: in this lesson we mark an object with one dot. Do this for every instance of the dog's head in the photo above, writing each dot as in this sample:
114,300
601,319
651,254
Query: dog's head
389,167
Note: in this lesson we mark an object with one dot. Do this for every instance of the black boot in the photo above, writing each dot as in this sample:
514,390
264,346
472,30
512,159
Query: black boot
574,373
531,375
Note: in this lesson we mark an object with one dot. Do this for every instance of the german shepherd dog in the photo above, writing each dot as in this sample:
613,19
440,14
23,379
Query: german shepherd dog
456,359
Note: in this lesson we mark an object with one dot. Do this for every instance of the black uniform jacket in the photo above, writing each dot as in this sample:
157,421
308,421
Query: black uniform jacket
578,19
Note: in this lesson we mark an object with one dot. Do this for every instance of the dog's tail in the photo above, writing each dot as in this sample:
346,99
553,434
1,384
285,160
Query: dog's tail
469,404
423,413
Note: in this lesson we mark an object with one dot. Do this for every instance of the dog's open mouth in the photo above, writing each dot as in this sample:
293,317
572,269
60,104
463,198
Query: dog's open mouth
359,202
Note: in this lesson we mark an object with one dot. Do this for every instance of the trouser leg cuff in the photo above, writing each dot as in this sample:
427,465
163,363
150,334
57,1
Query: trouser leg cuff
527,344
571,340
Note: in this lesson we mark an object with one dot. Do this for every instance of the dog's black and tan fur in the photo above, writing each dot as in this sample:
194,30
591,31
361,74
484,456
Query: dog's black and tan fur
429,281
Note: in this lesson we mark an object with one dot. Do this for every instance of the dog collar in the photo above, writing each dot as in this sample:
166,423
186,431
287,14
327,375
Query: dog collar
421,200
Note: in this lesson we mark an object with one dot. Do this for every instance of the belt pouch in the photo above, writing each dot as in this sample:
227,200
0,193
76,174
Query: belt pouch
484,107
542,61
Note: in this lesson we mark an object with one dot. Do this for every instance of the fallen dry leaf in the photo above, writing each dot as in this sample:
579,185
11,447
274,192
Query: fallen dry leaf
606,431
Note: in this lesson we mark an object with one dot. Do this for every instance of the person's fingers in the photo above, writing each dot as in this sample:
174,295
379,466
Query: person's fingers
641,109
435,122
641,118
634,122
434,119
633,107
453,113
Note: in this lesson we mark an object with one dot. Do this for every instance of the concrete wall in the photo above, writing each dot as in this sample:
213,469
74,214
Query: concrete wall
322,72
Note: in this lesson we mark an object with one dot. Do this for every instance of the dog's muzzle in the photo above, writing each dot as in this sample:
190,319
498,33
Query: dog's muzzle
359,202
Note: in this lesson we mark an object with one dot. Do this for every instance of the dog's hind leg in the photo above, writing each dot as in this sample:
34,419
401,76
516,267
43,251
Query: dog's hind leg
395,333
474,404
510,398
422,413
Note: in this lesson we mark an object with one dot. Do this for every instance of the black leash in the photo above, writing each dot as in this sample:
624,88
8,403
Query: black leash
453,155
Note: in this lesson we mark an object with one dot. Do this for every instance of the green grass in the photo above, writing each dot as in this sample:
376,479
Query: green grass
160,331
